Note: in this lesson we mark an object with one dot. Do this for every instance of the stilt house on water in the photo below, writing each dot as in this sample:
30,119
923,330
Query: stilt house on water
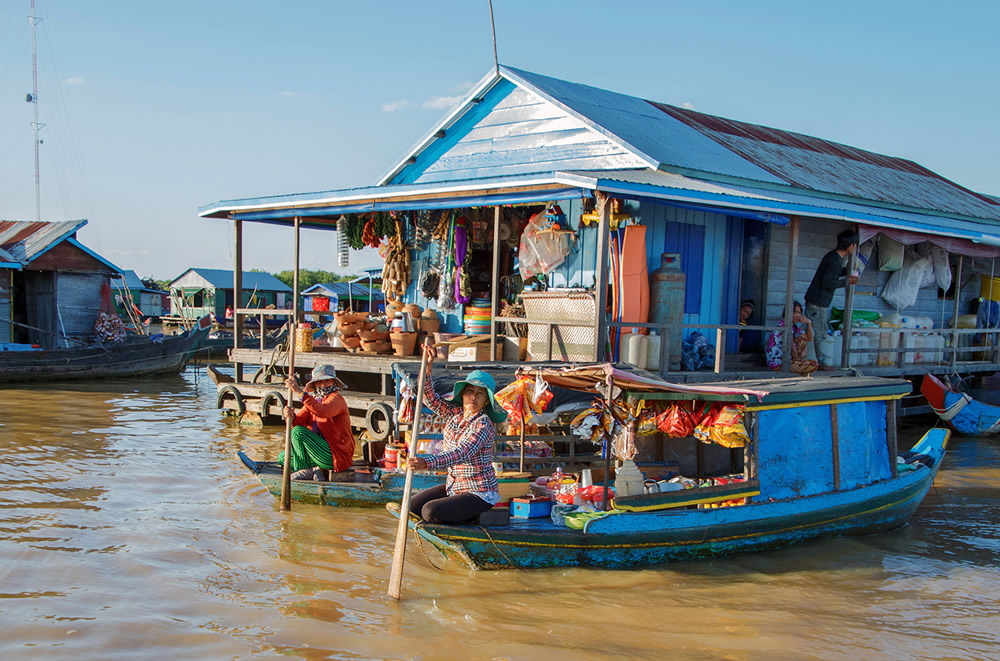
50,283
198,292
130,288
750,210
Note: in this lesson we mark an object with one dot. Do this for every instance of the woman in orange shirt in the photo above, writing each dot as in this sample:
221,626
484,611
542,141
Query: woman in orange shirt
322,438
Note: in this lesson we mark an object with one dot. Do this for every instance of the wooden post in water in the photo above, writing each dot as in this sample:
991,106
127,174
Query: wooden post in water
787,338
607,458
399,554
237,292
954,316
286,473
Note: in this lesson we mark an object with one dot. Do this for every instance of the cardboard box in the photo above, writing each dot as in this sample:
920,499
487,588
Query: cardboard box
515,349
472,348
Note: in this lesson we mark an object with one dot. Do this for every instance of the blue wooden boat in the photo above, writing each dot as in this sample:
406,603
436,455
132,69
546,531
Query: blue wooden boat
349,489
961,411
821,461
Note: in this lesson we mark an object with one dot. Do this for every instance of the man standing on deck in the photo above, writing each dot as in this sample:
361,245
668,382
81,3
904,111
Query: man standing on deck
830,275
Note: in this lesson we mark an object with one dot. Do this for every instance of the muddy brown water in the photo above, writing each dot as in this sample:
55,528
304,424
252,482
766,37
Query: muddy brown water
128,530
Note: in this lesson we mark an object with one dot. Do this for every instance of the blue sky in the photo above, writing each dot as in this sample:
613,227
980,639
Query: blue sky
153,109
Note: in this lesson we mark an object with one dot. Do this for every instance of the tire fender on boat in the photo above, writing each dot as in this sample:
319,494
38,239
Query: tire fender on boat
265,401
226,391
378,421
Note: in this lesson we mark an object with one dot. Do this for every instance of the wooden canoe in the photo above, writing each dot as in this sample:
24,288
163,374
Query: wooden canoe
138,356
348,489
962,412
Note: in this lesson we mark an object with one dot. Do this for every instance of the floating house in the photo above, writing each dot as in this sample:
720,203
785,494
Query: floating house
335,296
198,292
130,289
50,283
751,210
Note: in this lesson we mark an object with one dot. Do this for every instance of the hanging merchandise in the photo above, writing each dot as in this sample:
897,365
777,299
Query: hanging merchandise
904,285
544,244
461,240
446,292
396,272
343,243
429,283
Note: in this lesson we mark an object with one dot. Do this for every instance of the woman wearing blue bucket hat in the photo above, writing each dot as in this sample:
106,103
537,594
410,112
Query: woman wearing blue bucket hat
469,435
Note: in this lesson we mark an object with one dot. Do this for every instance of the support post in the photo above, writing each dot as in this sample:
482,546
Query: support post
835,433
601,278
720,350
845,327
495,283
954,313
238,292
610,444
788,336
890,434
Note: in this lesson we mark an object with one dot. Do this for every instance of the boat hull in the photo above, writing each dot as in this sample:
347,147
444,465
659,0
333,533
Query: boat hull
964,414
630,539
387,487
138,358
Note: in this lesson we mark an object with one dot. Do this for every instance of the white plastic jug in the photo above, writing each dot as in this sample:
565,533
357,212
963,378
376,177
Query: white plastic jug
636,349
628,480
653,353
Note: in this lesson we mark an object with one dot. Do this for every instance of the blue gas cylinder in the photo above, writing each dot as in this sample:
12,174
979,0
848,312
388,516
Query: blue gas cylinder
666,302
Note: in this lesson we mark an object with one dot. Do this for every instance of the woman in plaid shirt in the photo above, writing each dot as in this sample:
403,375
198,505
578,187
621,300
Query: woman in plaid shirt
469,434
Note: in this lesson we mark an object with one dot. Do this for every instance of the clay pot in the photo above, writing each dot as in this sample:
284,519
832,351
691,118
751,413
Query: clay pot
404,343
391,308
373,335
351,341
351,328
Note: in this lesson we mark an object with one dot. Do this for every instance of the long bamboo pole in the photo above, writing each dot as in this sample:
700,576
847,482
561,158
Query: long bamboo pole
286,473
399,554
788,336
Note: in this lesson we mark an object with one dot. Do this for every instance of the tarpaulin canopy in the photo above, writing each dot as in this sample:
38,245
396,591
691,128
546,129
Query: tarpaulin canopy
951,244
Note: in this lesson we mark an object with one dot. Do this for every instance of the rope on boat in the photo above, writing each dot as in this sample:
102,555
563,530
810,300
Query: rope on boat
950,412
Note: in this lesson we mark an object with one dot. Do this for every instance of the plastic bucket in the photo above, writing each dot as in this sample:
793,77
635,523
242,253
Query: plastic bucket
391,457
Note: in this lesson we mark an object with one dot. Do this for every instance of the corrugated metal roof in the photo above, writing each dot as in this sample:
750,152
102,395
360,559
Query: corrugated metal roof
340,289
686,139
223,279
679,188
25,240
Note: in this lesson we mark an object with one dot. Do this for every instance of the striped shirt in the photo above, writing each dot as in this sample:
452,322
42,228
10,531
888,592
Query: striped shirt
468,449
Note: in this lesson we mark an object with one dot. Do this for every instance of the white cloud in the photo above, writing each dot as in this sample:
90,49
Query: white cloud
443,102
688,105
463,86
393,106
75,80
288,93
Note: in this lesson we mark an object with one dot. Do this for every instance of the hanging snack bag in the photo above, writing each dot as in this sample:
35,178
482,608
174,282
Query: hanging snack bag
677,421
728,429
706,419
647,420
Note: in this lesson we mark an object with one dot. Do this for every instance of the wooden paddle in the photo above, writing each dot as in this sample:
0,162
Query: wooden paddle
396,575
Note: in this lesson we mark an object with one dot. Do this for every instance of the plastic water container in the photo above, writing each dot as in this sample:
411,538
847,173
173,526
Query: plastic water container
932,348
628,480
887,343
653,352
827,346
636,350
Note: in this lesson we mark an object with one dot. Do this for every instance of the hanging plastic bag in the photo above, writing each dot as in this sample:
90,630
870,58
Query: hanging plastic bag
942,267
647,420
708,415
677,421
890,254
904,285
541,250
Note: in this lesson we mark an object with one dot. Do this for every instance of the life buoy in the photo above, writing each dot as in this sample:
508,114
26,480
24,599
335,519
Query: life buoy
225,391
378,421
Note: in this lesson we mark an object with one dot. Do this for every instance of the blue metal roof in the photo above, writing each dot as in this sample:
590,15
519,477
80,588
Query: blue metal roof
519,137
223,279
343,290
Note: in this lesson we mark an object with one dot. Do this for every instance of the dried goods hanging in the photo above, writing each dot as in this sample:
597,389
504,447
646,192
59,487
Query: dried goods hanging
396,272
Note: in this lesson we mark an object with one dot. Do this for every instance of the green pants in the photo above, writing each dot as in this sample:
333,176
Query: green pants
308,449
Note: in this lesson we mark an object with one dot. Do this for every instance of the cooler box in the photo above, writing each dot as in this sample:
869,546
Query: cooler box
528,507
